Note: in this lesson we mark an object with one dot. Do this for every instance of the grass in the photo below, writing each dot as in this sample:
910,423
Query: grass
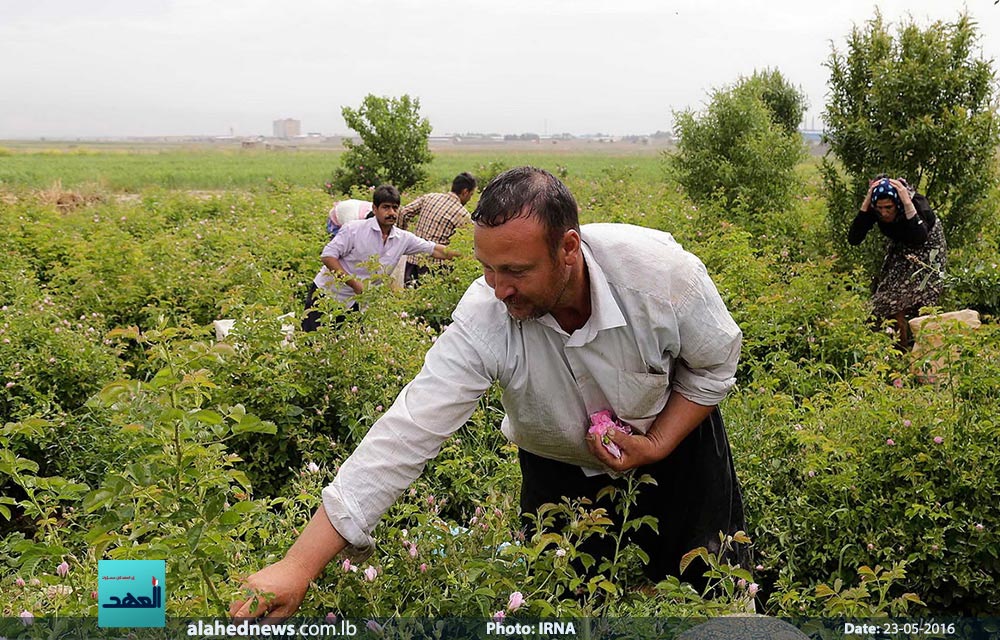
136,169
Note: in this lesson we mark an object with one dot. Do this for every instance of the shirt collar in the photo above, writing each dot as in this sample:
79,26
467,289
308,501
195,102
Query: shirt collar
373,224
604,310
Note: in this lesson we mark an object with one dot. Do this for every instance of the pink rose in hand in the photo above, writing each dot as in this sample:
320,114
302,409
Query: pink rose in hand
601,423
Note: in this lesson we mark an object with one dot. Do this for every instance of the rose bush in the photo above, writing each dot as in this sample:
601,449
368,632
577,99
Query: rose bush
147,437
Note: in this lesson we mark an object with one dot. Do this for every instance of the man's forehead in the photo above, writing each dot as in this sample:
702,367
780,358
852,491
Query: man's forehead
510,262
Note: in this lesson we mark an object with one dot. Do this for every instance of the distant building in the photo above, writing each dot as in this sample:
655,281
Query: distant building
287,128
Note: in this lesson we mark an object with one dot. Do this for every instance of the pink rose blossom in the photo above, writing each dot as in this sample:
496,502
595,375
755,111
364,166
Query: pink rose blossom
413,551
331,617
378,408
603,421
423,567
938,439
63,569
374,627
499,616
890,442
759,567
354,389
753,588
27,617
371,573
979,526
515,601
19,582
907,423
741,583
312,467
560,553
346,565
898,383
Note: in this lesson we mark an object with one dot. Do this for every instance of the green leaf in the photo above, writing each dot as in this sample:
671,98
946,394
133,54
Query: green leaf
223,348
97,499
689,557
11,464
214,506
608,586
194,536
823,591
252,424
32,427
208,416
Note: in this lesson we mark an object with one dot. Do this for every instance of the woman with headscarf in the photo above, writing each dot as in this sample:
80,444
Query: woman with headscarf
912,272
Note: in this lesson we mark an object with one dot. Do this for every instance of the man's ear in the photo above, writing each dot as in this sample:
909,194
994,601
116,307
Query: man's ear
571,245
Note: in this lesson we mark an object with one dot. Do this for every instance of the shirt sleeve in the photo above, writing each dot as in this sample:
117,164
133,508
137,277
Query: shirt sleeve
457,371
416,244
340,245
710,341
914,231
410,210
862,224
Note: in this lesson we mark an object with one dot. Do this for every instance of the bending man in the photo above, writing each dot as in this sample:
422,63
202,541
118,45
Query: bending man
570,321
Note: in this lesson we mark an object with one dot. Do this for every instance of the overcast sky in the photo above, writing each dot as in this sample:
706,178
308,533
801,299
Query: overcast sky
207,67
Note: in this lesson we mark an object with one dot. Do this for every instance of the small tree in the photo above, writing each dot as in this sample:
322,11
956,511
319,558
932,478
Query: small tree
744,146
393,147
920,106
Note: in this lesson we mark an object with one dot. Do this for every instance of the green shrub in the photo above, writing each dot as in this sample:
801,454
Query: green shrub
738,149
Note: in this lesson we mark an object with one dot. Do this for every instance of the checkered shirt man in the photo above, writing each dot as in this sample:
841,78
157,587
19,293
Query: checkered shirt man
439,214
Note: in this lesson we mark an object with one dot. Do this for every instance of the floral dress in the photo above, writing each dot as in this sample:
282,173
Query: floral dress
912,274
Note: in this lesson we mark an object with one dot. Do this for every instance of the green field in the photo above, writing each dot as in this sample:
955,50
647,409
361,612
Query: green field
145,167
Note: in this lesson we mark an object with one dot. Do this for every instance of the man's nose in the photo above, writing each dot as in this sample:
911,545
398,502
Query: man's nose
502,288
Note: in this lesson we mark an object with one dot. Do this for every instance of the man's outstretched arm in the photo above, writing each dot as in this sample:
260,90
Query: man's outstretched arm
278,589
441,252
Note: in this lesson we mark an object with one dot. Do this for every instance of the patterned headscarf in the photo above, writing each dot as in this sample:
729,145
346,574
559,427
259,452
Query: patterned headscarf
885,190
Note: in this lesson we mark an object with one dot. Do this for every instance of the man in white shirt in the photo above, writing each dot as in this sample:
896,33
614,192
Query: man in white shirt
356,243
570,322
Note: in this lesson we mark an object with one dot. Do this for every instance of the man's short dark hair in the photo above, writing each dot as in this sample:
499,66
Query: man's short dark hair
528,191
463,181
385,193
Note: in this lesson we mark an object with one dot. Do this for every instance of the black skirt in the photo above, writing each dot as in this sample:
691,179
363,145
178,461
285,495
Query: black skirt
697,495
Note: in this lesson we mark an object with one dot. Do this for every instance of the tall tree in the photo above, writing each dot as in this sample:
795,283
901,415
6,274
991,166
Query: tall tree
393,148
